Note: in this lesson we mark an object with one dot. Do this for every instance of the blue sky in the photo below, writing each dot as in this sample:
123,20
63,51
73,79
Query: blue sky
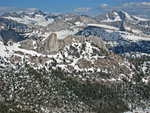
91,7
62,5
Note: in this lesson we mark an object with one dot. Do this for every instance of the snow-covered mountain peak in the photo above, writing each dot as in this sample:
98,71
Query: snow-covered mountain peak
39,12
37,18
115,15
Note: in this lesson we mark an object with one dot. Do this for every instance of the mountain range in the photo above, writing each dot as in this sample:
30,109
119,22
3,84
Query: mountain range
74,63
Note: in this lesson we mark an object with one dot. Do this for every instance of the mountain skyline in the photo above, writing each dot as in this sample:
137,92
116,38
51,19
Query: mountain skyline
140,8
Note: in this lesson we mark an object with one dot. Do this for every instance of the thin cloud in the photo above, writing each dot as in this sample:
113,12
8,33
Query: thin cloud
13,9
146,3
103,5
82,10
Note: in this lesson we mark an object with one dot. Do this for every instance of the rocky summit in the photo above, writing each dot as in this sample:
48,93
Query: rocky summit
74,63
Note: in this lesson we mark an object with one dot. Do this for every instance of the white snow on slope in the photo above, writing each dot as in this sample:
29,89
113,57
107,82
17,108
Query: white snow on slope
141,19
113,33
7,51
128,16
79,23
138,18
134,38
38,20
139,110
64,33
134,54
112,20
3,50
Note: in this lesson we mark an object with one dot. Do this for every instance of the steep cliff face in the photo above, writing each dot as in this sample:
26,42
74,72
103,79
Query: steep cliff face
52,43
48,46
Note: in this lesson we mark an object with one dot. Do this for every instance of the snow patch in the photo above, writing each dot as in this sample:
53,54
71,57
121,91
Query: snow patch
79,23
64,33
3,50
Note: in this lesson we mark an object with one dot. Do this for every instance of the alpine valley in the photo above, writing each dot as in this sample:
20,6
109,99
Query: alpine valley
69,63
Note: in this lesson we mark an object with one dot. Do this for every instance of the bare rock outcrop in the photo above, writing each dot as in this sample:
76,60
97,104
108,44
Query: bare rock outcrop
57,26
92,39
53,43
27,44
50,45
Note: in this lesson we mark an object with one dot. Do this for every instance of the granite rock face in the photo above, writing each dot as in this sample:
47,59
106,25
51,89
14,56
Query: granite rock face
48,46
52,45
92,39
57,26
79,39
27,44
